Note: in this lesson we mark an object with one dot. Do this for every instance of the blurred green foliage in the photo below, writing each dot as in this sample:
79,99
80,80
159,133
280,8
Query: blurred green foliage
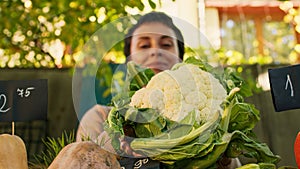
44,33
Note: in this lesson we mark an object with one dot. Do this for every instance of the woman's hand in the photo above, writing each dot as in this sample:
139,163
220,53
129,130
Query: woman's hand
228,163
125,146
125,141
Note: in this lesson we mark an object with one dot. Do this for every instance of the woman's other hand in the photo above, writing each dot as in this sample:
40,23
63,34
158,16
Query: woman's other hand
125,146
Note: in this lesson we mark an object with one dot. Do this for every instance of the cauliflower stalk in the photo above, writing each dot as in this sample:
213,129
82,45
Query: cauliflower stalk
177,92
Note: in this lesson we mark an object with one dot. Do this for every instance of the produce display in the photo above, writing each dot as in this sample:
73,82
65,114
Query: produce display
187,117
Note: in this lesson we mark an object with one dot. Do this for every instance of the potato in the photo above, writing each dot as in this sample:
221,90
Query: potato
84,155
13,154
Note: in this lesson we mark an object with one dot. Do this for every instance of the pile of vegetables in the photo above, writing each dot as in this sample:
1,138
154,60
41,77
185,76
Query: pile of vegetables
187,117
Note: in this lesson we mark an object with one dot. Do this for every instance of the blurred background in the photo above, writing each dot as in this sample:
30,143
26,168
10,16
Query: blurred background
42,39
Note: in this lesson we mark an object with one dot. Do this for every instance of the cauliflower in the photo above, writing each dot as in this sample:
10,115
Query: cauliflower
199,122
177,92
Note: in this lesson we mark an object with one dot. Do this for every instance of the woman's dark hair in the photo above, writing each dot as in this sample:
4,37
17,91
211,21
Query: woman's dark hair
159,17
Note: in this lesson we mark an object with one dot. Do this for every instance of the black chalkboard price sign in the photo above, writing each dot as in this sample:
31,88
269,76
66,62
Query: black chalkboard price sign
285,87
23,100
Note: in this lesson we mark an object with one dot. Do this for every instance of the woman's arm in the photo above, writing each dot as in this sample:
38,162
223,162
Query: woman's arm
91,124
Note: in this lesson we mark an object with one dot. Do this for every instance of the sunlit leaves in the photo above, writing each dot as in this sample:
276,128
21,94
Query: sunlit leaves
152,4
286,6
292,16
28,27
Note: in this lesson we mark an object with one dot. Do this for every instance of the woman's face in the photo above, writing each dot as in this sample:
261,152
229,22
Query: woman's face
154,45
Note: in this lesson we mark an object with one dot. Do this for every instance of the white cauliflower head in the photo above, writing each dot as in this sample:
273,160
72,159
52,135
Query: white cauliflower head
175,93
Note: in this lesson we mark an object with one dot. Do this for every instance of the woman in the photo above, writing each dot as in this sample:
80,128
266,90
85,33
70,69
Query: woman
154,42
